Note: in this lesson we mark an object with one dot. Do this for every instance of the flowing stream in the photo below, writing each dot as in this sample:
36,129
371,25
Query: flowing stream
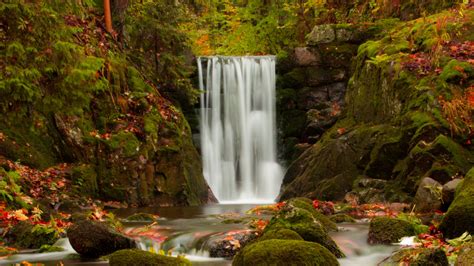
238,132
190,230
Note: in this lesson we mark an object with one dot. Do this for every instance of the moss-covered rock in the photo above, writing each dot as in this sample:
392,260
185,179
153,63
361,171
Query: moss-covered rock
280,234
418,257
50,248
93,239
142,217
26,235
384,230
341,218
284,252
466,255
139,257
460,215
306,225
306,204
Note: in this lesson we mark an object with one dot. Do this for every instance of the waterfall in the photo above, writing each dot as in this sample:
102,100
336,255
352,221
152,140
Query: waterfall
238,132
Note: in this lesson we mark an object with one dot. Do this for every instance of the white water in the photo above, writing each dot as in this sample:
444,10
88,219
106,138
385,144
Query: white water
238,132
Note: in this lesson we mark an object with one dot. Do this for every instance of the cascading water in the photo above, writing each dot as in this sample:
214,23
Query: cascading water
238,132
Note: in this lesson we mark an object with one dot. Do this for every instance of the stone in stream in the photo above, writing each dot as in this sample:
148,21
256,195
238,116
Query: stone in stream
385,230
93,239
129,257
418,257
284,252
231,243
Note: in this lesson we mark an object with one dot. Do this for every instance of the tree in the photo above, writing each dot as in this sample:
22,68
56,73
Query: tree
107,16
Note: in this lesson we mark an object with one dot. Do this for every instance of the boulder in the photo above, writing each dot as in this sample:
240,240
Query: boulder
449,189
280,234
284,252
322,34
306,204
341,218
228,245
305,224
418,257
128,257
384,230
428,196
304,56
22,235
460,215
93,239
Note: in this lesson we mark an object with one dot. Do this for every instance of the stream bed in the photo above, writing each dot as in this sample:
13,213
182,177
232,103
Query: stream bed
189,230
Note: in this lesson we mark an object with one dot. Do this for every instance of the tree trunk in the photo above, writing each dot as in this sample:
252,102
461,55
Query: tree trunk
107,16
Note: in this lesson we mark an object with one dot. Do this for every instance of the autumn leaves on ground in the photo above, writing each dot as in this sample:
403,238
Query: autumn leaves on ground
375,103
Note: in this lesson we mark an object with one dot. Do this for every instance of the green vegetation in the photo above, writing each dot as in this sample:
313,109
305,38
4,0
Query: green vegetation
140,257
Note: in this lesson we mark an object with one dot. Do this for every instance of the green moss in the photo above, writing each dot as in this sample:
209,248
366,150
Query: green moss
418,257
342,218
466,255
126,141
280,234
139,257
460,214
284,252
50,248
85,178
306,204
26,235
384,230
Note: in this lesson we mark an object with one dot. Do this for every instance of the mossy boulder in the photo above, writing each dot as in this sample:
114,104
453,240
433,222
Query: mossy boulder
128,257
284,252
25,235
341,218
280,234
306,225
93,239
306,204
460,215
385,230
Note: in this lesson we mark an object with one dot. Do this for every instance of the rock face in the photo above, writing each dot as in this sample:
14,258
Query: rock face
139,257
92,239
428,196
387,129
460,215
284,252
384,230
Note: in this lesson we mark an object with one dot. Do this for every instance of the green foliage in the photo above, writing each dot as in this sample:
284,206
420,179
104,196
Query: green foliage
414,221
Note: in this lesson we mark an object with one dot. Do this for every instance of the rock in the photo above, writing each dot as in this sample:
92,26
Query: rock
305,224
428,196
230,244
342,218
284,252
280,234
322,34
344,35
21,235
449,189
307,204
304,56
93,239
129,257
418,257
142,217
460,215
384,230
466,255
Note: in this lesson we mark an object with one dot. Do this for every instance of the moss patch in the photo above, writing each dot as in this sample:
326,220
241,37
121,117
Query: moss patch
139,257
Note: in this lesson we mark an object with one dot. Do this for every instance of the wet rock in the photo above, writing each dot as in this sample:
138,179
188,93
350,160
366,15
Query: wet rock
428,196
93,239
418,257
304,56
384,230
230,244
322,34
307,204
449,189
284,252
129,257
459,217
341,218
22,235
